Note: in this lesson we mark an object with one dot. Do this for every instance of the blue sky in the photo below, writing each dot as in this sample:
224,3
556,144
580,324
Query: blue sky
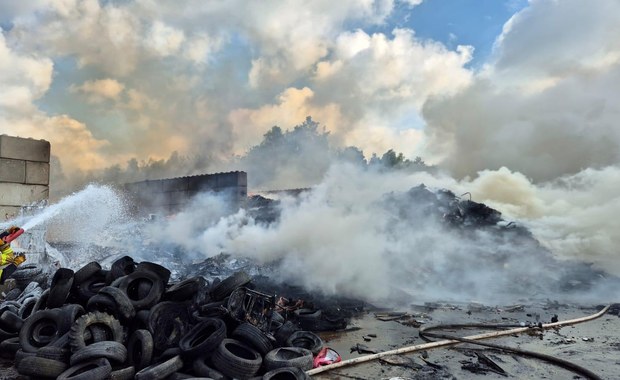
459,22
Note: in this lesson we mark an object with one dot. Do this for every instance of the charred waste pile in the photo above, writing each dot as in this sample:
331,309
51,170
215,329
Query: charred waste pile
235,316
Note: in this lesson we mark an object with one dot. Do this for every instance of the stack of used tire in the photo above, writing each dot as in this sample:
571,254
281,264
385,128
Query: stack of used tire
128,322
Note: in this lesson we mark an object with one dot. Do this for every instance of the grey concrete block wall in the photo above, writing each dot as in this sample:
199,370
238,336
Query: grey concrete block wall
37,173
17,194
9,212
24,149
12,170
171,195
24,173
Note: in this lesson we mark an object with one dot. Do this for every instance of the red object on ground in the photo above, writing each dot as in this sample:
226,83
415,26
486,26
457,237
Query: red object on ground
326,356
13,236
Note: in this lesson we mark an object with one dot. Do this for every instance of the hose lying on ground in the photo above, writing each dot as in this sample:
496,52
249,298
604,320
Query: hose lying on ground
424,334
451,342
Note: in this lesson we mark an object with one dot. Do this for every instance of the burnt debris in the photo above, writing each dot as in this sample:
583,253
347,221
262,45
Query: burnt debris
130,320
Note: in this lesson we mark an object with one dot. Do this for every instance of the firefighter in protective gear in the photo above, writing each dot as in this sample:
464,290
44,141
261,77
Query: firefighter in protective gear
8,259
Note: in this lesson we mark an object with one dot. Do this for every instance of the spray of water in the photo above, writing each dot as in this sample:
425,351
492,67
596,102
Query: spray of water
94,205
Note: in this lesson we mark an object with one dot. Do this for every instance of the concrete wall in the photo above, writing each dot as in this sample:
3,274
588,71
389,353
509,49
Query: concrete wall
168,196
24,173
24,181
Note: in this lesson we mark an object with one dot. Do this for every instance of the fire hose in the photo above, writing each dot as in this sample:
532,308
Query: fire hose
454,340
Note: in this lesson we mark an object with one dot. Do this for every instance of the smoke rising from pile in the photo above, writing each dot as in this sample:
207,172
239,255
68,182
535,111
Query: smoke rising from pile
361,233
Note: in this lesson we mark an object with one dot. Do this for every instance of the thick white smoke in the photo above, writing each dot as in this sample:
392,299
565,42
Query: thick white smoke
361,233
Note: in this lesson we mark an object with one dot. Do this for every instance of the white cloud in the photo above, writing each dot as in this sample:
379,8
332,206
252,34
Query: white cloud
23,78
99,90
298,53
164,40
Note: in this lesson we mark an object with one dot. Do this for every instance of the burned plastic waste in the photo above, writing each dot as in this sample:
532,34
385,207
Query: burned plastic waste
130,322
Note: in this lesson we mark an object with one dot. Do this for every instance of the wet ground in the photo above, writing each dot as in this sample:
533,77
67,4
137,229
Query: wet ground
594,345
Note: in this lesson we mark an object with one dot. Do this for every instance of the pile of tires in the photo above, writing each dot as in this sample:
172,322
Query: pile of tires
129,322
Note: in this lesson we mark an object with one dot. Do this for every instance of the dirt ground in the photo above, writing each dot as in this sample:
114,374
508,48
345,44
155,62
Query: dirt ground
594,345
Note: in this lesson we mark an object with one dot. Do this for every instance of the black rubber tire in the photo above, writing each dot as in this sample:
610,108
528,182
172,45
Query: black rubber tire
115,352
140,349
86,272
308,313
307,340
67,316
254,337
286,373
168,354
236,359
121,267
90,286
10,321
98,369
26,338
183,376
54,353
12,294
275,326
62,342
162,272
184,290
228,285
202,368
277,317
45,332
130,286
9,347
21,355
168,323
289,357
11,306
203,338
96,334
102,303
38,367
213,310
124,306
27,307
285,331
111,325
126,373
160,370
62,281
42,301
25,273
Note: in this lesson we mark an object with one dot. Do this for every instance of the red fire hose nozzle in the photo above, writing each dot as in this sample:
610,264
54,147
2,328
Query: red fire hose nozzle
13,236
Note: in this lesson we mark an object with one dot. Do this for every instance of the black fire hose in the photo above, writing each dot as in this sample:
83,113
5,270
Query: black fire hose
426,334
